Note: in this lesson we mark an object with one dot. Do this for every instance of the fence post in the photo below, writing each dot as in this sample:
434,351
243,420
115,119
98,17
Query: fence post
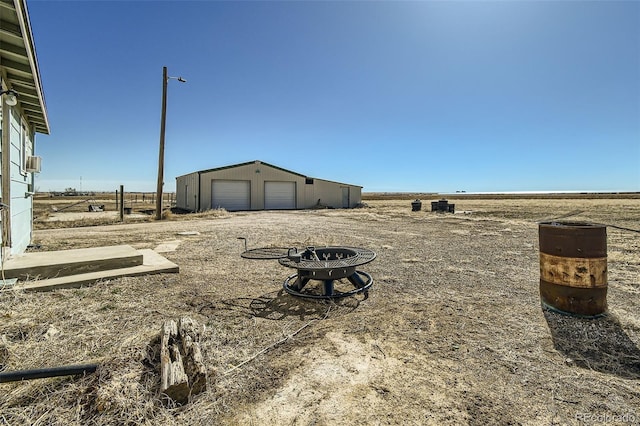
121,203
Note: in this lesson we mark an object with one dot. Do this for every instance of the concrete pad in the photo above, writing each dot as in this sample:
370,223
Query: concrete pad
51,264
153,263
167,246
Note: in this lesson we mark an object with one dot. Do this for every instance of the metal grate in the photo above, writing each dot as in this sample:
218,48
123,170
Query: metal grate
329,258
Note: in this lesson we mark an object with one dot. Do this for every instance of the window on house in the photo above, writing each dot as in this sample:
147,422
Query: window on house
308,181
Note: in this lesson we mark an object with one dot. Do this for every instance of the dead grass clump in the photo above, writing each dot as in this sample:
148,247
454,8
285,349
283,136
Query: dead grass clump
87,223
126,390
41,215
54,224
183,215
167,215
212,214
93,325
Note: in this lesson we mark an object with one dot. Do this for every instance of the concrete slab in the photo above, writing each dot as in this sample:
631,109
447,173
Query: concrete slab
153,263
167,246
52,264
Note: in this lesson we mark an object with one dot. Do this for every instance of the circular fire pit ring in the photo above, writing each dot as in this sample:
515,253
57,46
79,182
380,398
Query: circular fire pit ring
327,264
329,290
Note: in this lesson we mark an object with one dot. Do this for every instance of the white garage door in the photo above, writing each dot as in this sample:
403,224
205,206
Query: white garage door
231,194
279,195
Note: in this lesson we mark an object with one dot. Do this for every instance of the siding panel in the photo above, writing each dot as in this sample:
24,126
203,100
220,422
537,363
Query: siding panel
188,192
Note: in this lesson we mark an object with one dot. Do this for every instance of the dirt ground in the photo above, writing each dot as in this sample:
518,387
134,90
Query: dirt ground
451,332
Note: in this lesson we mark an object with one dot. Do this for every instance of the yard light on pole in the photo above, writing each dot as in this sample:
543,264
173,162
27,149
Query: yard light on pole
163,120
12,97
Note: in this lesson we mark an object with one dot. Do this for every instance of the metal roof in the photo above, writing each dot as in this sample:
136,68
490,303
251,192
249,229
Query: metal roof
266,164
18,62
248,163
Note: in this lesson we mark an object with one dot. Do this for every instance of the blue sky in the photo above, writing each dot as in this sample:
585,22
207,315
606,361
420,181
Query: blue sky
394,96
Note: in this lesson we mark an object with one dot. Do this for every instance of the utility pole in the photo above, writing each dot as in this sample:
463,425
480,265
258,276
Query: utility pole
163,122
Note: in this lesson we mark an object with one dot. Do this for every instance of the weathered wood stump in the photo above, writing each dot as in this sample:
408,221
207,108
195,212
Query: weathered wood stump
182,370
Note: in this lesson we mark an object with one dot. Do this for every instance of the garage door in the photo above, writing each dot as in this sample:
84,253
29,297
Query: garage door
231,194
279,195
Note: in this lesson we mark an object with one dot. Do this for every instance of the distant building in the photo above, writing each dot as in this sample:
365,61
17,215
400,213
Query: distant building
260,186
23,114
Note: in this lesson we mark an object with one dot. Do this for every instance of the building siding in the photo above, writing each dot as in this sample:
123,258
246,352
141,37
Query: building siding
257,173
328,193
21,145
188,192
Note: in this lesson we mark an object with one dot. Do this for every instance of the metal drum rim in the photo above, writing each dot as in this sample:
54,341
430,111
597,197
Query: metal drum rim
566,224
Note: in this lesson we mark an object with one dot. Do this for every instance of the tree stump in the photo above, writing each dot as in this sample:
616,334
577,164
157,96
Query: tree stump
182,370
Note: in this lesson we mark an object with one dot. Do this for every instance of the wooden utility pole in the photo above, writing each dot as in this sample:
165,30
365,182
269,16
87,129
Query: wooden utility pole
163,121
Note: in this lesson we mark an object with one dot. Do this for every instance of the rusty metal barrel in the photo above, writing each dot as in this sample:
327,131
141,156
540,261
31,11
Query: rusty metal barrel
573,267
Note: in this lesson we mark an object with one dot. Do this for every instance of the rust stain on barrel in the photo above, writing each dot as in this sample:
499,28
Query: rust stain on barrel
573,267
573,272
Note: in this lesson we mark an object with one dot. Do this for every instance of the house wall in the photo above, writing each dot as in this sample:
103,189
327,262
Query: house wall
21,185
19,124
188,192
4,127
21,145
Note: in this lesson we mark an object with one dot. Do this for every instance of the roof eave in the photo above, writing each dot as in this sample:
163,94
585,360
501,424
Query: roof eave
19,63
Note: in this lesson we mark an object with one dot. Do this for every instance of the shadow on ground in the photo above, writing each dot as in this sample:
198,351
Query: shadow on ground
280,305
598,344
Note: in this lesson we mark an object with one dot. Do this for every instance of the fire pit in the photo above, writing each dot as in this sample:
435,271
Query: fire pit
327,264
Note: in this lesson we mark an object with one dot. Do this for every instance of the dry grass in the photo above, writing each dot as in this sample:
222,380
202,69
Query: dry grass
73,211
451,332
